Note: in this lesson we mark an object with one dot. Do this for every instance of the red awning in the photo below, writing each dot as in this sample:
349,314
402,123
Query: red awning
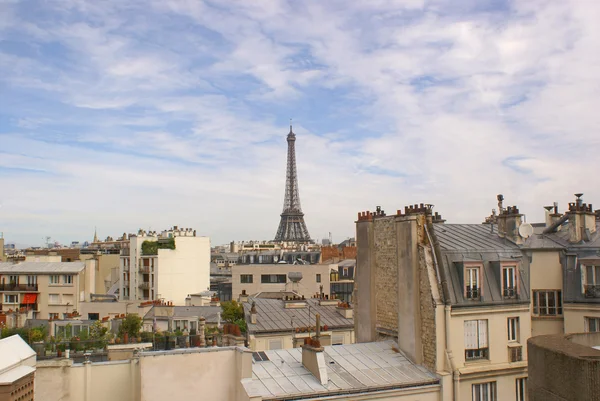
29,298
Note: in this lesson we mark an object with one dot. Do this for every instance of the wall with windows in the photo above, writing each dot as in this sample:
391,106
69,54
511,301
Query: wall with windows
509,387
546,274
486,334
581,318
250,278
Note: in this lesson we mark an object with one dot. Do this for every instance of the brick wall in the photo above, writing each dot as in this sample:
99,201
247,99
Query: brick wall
428,332
349,252
386,273
329,253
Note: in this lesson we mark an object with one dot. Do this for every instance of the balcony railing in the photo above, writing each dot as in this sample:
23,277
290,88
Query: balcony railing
18,287
126,268
145,270
515,354
592,291
472,292
509,292
144,285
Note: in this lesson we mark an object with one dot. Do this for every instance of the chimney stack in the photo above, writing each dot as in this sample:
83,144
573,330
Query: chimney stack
509,220
582,220
253,313
313,357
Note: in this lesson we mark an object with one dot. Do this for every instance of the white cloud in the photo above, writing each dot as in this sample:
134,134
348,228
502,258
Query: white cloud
174,112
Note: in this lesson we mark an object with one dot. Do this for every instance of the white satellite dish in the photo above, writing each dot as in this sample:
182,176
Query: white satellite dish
525,230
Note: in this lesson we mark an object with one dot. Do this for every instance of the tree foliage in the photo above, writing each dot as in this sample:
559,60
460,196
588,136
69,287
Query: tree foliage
131,324
232,311
152,247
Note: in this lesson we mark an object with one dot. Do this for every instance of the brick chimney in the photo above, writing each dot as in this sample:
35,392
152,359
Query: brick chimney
509,221
582,220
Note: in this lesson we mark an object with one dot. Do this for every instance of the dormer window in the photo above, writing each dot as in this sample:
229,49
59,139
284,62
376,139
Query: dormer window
472,282
509,281
591,286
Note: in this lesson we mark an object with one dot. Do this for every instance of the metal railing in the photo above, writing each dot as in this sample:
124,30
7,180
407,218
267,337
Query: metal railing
145,269
18,287
145,285
472,292
509,292
592,291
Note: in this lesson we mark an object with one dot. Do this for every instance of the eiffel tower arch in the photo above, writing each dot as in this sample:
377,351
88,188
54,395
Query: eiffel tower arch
292,227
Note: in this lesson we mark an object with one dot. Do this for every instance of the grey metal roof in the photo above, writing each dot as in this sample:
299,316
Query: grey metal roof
461,237
208,312
273,317
347,263
42,267
352,368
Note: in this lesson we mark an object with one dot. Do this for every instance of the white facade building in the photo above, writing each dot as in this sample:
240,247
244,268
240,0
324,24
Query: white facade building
178,265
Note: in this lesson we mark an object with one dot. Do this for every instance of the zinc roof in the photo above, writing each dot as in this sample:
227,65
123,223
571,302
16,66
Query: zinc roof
273,317
352,368
208,312
42,267
14,351
462,237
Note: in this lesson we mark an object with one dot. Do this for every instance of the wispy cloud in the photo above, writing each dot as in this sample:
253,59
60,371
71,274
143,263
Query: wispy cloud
130,114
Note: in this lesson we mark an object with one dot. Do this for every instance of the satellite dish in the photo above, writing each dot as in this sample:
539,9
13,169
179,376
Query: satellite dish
525,230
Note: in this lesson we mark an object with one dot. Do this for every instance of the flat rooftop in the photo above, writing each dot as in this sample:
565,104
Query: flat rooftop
353,368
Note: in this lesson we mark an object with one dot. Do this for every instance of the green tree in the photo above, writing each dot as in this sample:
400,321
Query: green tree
132,324
232,311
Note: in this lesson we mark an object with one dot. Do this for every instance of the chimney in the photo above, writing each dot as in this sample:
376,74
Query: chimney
243,297
548,215
253,313
582,220
313,357
510,220
501,217
202,339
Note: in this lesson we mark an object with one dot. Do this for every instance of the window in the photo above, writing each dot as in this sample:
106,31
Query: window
53,316
509,281
476,339
513,328
54,279
472,282
181,325
591,281
31,280
11,299
318,278
13,279
53,299
547,303
273,278
93,316
592,324
521,389
484,392
246,278
68,279
345,272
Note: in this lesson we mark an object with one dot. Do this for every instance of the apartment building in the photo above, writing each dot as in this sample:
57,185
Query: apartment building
285,323
342,280
46,290
168,266
456,297
565,271
306,280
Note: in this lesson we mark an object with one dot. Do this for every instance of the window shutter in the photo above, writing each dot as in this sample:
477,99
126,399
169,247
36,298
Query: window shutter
483,335
471,334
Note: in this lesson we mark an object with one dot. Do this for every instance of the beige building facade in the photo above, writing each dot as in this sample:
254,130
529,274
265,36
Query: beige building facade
170,274
308,279
46,290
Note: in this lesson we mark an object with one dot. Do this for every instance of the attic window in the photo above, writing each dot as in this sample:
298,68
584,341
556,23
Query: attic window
472,282
509,281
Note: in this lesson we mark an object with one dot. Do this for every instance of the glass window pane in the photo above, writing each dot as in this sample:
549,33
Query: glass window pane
589,276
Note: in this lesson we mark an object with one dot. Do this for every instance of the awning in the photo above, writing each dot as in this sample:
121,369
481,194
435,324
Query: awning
29,298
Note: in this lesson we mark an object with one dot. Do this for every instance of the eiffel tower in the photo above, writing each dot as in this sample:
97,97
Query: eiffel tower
292,227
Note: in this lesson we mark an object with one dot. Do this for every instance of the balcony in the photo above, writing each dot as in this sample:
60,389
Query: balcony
144,285
125,268
592,291
473,293
509,292
515,354
145,270
19,287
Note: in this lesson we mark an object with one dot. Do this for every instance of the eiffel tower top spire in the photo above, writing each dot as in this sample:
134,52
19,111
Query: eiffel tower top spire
292,226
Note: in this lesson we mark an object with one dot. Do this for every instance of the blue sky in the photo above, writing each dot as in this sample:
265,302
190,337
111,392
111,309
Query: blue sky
149,113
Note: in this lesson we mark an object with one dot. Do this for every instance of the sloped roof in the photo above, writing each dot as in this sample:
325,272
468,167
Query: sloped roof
13,351
352,368
42,267
560,239
210,313
470,237
273,317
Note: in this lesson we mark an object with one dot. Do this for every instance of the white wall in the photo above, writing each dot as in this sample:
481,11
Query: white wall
183,270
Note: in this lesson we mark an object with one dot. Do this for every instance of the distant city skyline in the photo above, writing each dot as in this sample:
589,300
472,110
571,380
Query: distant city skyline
128,115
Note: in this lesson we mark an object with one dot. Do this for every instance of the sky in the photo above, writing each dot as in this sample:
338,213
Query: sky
135,114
